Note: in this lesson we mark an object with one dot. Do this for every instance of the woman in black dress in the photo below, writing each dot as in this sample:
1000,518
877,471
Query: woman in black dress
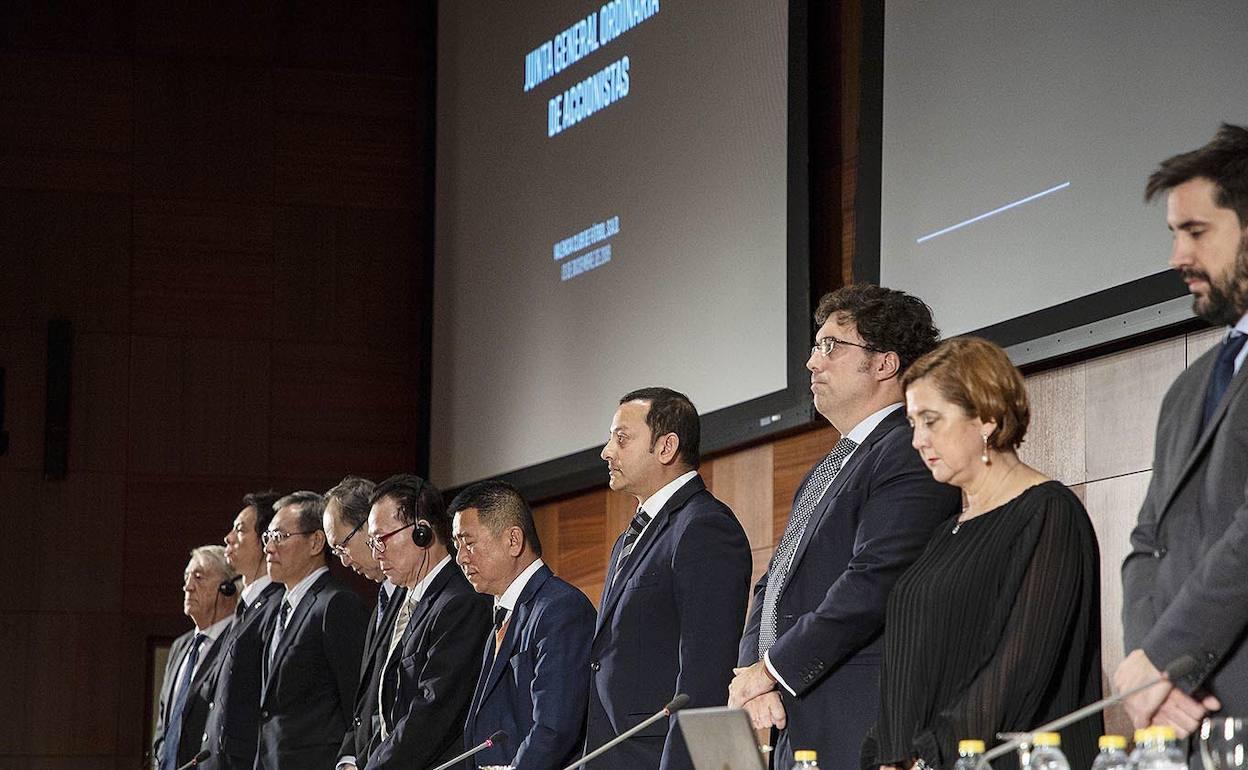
996,627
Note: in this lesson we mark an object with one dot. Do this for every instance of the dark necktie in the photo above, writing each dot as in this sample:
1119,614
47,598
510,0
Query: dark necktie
383,600
1223,371
173,729
782,561
639,522
240,611
278,630
500,627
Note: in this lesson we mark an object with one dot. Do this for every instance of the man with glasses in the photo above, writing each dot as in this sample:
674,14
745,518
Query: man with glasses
234,713
311,658
346,515
434,652
810,656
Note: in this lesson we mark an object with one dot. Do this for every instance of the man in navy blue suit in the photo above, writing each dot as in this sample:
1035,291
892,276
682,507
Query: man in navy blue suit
676,587
535,665
810,656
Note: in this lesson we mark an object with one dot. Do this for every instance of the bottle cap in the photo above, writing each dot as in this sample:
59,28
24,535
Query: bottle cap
1112,742
1046,739
1143,734
970,747
805,756
1165,733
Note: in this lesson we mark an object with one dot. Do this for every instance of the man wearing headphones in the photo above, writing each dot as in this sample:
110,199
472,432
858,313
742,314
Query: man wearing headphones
209,596
434,651
311,654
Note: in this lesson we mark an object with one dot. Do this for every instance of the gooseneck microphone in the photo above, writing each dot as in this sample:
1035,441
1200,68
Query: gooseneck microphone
1178,668
195,760
676,704
498,737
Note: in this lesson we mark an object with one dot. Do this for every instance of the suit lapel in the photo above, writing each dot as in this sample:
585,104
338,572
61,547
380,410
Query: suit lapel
519,619
374,645
176,653
1187,435
647,540
855,461
293,624
208,662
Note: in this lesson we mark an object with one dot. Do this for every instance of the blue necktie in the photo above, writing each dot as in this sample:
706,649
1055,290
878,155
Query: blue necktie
1223,371
173,730
383,599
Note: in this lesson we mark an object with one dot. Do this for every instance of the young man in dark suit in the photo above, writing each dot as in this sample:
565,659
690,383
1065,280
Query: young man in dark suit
676,587
311,660
346,516
534,673
1185,582
434,650
810,656
234,713
194,658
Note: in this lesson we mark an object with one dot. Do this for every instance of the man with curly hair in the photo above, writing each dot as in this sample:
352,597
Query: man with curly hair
810,657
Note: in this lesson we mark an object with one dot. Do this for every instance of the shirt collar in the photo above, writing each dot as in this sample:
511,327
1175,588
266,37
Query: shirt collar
389,588
418,591
859,432
509,598
654,503
213,631
295,594
255,588
1242,325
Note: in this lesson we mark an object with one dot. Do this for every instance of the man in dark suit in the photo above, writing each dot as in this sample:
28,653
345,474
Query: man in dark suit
191,672
311,659
1185,582
346,516
676,587
234,713
434,651
811,651
534,674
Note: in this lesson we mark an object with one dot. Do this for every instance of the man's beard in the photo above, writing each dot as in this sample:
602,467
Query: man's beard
1227,298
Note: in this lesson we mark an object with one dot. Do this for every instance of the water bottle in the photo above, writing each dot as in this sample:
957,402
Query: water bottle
1113,755
1140,739
969,753
1160,751
805,760
1047,754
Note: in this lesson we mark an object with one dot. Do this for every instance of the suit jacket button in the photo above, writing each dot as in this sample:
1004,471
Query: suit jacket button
1160,552
595,666
210,705
264,715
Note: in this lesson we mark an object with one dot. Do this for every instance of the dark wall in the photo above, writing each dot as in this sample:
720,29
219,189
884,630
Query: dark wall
231,204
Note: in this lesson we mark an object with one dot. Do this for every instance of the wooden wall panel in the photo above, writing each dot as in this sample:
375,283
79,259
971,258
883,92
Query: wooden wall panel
1112,505
1124,394
741,481
64,254
23,351
1054,441
202,268
203,129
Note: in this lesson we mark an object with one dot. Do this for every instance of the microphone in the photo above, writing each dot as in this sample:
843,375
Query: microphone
498,737
676,704
195,760
1178,668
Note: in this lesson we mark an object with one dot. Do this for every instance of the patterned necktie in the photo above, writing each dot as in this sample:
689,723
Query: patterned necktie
278,630
782,561
1223,371
638,523
400,625
500,627
173,729
383,600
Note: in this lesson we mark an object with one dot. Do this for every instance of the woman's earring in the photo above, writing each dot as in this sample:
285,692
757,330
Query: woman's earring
983,458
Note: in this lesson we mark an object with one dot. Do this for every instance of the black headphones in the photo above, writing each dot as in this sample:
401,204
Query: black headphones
227,587
422,533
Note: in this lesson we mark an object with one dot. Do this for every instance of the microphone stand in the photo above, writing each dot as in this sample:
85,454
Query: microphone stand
679,702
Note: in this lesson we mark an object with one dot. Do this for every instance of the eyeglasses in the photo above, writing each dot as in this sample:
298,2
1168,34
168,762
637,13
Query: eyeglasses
340,550
826,345
377,543
276,537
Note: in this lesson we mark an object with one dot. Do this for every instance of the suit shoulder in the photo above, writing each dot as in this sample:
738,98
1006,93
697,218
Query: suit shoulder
561,594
